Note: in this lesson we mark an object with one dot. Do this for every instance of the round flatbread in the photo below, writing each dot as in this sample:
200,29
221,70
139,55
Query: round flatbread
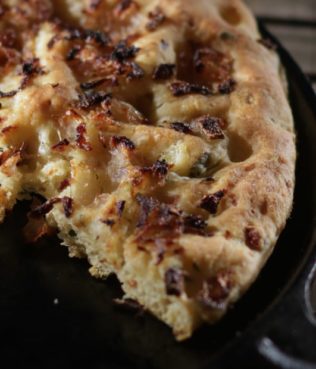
159,139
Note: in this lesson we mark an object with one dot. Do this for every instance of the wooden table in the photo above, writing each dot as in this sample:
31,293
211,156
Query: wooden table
294,23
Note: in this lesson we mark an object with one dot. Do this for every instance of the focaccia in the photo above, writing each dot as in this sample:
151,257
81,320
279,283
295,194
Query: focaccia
156,136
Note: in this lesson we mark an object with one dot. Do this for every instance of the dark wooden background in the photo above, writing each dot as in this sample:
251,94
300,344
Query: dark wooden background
293,22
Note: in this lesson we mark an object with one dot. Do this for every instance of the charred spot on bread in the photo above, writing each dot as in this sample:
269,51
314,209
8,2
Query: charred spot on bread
8,93
252,238
67,203
159,169
120,206
90,99
123,141
156,18
163,71
135,71
32,67
73,52
210,202
64,184
268,43
182,88
122,6
174,281
89,35
44,209
211,126
181,127
109,222
122,51
215,291
61,145
92,84
195,224
227,87
217,64
81,140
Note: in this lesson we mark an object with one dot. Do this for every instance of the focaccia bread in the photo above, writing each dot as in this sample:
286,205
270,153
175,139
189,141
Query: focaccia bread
157,136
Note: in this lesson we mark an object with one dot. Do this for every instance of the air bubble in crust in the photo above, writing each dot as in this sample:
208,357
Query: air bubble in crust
238,148
231,15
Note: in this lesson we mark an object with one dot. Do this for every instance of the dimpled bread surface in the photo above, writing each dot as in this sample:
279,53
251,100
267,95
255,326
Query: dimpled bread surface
156,136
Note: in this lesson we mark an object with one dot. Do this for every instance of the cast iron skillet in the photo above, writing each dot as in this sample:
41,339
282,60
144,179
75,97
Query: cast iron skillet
54,315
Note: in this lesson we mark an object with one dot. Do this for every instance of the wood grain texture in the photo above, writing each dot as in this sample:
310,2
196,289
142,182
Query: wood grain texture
294,23
301,42
296,9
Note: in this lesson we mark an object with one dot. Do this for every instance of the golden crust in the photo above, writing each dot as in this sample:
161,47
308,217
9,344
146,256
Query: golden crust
167,159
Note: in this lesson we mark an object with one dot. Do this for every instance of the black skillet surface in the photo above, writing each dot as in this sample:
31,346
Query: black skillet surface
54,315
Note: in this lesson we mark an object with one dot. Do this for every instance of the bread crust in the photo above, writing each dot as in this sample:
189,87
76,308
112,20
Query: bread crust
167,159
